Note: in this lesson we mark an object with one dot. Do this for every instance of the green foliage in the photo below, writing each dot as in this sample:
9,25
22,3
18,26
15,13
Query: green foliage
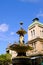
5,59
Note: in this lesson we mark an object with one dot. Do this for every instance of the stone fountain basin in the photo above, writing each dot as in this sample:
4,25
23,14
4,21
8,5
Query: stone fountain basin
21,60
20,48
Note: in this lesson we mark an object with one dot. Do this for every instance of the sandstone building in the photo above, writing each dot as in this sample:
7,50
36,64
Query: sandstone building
35,39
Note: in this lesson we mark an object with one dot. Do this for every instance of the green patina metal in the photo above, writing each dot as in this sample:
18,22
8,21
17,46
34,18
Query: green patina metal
36,22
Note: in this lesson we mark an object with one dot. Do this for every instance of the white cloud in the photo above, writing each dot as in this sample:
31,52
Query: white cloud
3,27
30,0
12,33
40,14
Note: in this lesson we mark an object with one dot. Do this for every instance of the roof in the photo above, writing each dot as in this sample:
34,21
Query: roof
35,22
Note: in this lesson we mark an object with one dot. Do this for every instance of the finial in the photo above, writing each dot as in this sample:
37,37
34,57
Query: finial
35,19
21,23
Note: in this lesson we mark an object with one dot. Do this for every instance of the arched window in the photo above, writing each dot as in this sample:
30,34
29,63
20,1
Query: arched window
34,46
33,32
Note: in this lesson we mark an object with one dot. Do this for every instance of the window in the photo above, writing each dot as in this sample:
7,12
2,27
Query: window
33,33
34,46
7,51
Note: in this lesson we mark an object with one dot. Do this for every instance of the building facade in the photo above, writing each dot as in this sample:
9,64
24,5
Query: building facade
35,37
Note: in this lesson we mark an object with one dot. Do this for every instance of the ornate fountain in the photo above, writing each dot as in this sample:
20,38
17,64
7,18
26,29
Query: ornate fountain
21,49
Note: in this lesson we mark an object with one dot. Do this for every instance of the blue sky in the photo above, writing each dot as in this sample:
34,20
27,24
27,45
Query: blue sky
11,13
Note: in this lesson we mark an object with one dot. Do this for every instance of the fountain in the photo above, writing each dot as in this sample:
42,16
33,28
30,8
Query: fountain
21,48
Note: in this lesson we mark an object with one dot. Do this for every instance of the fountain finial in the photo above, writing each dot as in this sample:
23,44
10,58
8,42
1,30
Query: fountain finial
21,23
21,32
